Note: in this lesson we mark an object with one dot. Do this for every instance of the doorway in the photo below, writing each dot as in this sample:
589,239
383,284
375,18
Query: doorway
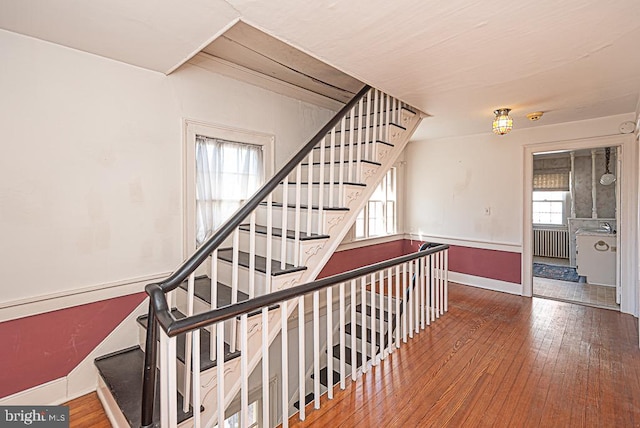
574,224
622,217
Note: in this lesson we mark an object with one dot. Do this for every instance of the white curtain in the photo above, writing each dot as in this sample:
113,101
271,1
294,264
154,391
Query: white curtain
227,173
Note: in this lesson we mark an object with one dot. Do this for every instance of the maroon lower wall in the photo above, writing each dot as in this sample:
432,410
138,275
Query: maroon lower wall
45,347
492,264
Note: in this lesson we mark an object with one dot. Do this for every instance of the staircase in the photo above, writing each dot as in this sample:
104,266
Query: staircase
281,238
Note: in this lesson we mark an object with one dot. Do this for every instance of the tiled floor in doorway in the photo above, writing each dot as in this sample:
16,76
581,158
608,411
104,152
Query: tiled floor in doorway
588,294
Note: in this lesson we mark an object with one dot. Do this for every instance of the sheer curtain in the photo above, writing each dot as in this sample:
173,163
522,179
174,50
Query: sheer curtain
227,173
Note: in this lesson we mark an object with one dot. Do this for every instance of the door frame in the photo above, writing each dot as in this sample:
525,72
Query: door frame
627,211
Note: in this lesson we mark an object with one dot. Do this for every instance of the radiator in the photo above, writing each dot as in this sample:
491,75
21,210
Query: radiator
551,243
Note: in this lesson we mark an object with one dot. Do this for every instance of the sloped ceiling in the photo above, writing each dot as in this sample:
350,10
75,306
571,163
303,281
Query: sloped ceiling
457,60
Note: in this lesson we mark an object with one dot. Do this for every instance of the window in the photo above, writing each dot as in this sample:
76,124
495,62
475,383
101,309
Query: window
227,173
217,162
379,216
548,207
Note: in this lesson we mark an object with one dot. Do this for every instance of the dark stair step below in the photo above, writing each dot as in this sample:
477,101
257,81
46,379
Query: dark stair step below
324,378
336,183
337,162
205,344
226,254
347,329
122,373
304,207
364,127
202,290
277,232
347,355
385,313
355,143
307,399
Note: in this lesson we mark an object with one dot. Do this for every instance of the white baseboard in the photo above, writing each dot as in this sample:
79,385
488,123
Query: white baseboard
486,283
48,394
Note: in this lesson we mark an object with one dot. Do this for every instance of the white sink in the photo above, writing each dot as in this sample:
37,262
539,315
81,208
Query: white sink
594,231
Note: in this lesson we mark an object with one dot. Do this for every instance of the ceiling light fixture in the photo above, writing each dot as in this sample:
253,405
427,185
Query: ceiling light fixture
607,178
503,122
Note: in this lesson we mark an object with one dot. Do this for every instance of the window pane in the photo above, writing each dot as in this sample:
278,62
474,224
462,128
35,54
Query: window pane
548,212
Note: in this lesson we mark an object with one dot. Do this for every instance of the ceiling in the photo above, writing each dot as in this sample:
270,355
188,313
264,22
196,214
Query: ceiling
457,60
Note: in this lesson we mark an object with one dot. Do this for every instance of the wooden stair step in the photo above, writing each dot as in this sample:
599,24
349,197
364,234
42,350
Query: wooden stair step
205,344
202,290
277,232
122,373
226,254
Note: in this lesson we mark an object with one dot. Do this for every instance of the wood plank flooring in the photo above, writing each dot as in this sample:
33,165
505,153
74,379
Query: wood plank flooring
86,412
501,360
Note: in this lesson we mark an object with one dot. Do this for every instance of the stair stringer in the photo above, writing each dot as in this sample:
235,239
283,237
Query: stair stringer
315,259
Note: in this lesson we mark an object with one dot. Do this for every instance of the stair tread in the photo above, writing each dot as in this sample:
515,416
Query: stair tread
205,344
202,290
276,231
317,183
337,162
122,373
304,207
226,254
354,143
347,355
324,378
359,310
307,399
370,126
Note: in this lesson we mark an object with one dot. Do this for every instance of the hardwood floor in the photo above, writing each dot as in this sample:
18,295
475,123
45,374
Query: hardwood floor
501,360
86,412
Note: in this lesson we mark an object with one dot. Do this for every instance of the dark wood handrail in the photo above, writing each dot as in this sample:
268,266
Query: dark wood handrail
174,327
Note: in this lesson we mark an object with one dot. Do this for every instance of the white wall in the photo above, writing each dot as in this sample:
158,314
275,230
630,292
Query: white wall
91,174
452,181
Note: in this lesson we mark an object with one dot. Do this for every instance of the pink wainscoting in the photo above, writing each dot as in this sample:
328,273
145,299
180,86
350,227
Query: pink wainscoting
493,264
44,347
342,261
501,265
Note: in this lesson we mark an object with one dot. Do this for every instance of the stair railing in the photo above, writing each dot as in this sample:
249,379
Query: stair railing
412,292
340,149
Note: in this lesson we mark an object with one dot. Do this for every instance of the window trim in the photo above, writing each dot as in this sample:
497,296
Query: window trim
191,128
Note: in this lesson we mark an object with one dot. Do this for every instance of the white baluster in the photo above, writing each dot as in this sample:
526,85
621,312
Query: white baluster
220,374
321,187
168,380
244,373
433,287
341,165
269,255
428,285
310,193
446,280
285,365
252,255
411,298
405,298
418,289
316,349
374,122
265,366
359,143
343,374
352,123
301,360
296,227
354,361
363,305
382,311
374,324
285,205
398,279
389,312
332,166
235,270
423,291
214,302
197,423
330,342
367,139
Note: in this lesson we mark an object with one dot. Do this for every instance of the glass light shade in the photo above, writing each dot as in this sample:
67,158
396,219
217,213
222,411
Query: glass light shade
503,122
